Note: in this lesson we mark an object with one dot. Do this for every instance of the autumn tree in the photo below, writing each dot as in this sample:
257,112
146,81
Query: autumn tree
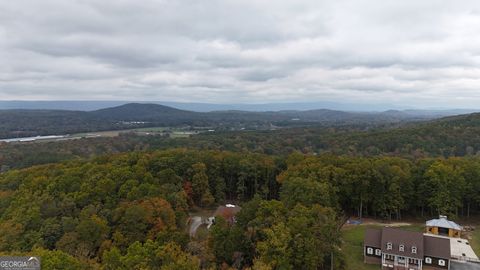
200,185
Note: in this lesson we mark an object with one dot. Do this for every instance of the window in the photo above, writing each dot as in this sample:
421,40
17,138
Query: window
378,252
401,248
370,251
389,246
428,260
414,250
441,262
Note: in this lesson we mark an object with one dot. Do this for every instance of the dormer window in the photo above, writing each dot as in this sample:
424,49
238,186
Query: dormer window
389,246
414,250
401,248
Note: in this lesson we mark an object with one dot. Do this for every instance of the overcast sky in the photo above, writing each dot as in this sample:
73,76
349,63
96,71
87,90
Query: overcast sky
410,52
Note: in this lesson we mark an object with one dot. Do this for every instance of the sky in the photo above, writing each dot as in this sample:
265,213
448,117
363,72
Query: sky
408,53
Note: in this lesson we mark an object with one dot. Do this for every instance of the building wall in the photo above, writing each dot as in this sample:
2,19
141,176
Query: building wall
434,264
454,233
393,260
397,268
428,267
373,260
451,232
432,230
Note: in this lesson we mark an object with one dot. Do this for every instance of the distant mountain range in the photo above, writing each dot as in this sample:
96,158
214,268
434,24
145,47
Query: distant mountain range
33,122
209,107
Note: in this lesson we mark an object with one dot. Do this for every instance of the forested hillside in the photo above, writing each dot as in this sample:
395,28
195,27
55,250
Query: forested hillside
134,115
130,211
114,203
447,137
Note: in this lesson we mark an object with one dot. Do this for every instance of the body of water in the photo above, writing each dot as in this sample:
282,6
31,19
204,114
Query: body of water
36,138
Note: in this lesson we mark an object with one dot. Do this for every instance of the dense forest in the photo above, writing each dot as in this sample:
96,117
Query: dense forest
447,137
130,211
126,202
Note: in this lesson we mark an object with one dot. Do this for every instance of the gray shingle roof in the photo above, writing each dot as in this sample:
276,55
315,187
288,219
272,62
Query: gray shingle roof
373,237
426,245
437,247
443,222
402,237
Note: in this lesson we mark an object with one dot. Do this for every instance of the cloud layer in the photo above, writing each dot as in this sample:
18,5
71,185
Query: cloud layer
415,53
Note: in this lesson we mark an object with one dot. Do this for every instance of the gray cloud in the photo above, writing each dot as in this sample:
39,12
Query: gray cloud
415,53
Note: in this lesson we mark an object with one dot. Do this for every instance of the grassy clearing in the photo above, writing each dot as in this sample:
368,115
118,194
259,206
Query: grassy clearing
353,244
152,129
180,135
474,239
353,248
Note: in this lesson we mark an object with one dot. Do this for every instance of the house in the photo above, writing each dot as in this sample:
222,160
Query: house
439,248
228,212
443,226
398,249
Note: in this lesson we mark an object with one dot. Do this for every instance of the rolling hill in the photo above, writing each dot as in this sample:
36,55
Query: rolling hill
142,112
450,136
24,123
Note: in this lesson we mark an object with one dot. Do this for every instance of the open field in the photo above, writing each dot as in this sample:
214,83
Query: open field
109,133
353,247
152,129
173,133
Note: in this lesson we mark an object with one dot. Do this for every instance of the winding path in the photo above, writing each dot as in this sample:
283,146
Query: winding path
196,221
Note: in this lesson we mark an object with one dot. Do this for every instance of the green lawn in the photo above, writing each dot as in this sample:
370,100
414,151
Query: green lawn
179,135
152,129
474,239
353,248
353,245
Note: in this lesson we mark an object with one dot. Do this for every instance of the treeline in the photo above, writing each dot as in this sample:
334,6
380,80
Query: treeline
22,155
449,137
50,122
130,211
384,187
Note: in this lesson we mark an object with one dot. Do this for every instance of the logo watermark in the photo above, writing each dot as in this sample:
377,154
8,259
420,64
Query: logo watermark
19,263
